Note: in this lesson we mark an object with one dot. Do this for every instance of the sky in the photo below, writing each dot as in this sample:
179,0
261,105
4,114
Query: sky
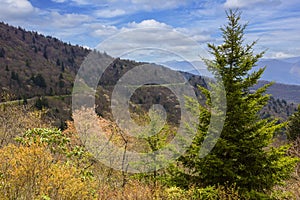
174,27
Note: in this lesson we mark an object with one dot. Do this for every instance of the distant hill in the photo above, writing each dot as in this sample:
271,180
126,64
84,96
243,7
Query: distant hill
279,109
290,93
286,71
32,64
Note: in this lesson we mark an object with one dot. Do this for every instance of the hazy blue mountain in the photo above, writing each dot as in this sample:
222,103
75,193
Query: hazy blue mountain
281,71
292,60
286,71
194,67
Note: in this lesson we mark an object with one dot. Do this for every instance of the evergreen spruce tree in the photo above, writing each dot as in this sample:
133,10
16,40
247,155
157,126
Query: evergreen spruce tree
243,155
293,127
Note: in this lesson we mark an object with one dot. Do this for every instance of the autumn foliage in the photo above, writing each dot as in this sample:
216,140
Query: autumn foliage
30,172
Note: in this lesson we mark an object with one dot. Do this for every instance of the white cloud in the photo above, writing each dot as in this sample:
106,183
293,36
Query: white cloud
281,55
252,3
157,4
151,41
109,13
279,35
104,30
202,38
59,1
12,9
82,2
150,23
131,6
68,20
95,3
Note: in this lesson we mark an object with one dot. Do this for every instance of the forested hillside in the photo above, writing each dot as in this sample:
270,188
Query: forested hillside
32,64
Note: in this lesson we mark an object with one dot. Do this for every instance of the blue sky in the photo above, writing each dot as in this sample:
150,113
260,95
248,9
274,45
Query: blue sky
89,22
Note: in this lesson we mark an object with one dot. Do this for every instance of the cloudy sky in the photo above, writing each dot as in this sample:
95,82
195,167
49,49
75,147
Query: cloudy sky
165,23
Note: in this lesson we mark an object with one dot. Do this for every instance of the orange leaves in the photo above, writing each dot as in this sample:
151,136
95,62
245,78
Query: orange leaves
21,169
29,172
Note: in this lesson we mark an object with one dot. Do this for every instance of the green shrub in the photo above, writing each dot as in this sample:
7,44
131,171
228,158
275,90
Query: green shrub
207,193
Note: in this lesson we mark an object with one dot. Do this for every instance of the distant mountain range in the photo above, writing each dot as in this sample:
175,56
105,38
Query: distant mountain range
286,71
